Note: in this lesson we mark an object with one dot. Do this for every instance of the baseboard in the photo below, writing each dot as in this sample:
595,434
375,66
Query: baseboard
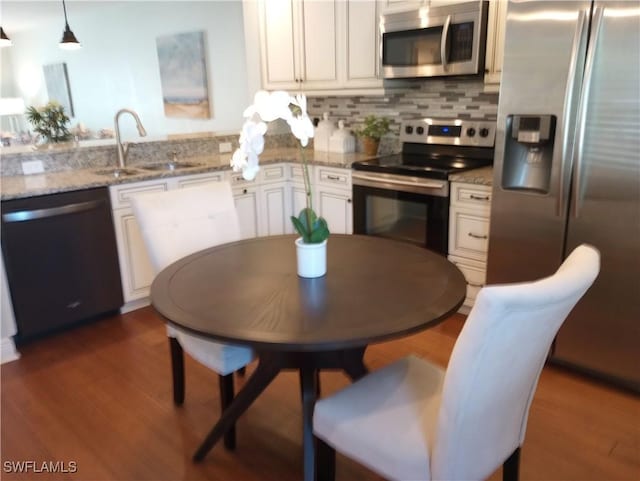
133,305
8,350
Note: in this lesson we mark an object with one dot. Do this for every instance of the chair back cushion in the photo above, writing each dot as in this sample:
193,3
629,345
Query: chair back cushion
494,367
179,222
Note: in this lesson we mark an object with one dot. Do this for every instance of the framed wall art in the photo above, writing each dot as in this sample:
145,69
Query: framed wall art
183,75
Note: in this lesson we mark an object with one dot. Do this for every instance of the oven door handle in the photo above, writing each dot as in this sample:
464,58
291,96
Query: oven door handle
426,185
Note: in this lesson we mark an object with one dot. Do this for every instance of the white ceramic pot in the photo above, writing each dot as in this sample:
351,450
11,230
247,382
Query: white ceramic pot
312,258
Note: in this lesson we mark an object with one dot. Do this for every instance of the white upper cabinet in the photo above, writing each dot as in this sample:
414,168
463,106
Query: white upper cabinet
319,45
280,69
403,5
363,56
298,44
319,37
495,43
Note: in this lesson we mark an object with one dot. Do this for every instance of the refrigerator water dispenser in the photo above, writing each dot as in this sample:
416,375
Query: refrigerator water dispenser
528,153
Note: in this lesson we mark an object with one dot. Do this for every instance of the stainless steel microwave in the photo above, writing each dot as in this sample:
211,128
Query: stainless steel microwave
434,42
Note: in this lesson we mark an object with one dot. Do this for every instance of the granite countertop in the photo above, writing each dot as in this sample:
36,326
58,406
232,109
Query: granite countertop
482,176
20,186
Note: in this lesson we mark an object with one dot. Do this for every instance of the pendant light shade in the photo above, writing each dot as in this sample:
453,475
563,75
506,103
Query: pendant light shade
4,40
69,40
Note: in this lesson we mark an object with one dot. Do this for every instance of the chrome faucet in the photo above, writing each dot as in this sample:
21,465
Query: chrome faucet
123,148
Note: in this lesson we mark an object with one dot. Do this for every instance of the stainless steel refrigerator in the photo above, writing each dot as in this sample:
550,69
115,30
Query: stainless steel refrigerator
567,169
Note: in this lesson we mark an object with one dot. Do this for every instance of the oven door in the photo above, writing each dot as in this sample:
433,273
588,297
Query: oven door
405,213
442,41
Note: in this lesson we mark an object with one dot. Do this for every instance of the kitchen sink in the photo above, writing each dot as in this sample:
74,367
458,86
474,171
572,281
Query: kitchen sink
117,172
169,166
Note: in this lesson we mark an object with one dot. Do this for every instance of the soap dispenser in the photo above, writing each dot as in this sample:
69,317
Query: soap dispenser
342,141
322,134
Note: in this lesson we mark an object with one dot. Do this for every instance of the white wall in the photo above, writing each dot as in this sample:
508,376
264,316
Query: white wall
118,64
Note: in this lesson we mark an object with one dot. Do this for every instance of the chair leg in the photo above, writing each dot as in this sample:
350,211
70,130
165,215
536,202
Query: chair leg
511,467
177,369
226,397
325,461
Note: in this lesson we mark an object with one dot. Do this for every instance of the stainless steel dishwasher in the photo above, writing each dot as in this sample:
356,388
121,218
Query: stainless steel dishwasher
61,260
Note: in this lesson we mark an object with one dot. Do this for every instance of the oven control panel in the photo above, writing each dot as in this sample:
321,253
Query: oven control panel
472,133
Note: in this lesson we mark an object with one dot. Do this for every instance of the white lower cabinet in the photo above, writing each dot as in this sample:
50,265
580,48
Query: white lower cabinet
469,235
334,198
274,200
273,205
136,271
264,208
246,200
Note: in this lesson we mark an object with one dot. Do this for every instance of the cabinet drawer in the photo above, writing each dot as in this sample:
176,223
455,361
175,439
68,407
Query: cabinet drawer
475,273
274,173
335,178
199,179
471,196
121,194
236,179
468,234
296,173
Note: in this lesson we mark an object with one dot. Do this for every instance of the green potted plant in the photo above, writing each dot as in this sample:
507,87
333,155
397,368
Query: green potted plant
50,122
373,129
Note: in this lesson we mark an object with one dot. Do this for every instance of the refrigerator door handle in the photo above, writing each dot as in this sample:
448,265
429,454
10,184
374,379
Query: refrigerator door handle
568,140
582,111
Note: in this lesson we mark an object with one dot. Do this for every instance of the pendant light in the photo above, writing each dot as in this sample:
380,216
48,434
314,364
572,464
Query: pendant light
4,40
69,40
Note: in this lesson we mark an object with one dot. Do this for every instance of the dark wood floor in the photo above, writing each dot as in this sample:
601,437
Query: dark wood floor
100,396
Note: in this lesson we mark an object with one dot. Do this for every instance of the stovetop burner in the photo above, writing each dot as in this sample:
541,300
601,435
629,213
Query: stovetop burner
437,148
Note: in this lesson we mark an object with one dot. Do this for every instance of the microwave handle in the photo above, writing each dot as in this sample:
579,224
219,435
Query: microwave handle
443,42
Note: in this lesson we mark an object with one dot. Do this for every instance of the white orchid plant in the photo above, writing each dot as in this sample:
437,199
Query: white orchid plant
267,107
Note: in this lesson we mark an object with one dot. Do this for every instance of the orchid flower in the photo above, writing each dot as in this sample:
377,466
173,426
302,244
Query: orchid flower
301,125
267,107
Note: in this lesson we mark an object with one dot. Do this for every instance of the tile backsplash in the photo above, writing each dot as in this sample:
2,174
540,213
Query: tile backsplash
446,98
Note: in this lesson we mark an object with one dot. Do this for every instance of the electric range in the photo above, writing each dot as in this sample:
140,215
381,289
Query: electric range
405,196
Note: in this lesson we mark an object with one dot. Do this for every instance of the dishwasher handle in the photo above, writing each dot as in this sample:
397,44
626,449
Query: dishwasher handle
25,215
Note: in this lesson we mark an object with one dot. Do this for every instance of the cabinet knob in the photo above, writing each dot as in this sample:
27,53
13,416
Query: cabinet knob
349,201
244,191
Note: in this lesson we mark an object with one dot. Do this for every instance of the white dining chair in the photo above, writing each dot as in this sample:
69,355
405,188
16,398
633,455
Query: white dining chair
177,223
413,421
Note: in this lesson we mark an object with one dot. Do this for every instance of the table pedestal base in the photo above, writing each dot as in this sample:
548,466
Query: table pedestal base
269,365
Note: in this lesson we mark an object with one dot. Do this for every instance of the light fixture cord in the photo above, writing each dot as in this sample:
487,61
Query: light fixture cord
64,8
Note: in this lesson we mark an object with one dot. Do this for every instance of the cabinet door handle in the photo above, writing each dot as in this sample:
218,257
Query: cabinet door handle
479,197
333,177
476,236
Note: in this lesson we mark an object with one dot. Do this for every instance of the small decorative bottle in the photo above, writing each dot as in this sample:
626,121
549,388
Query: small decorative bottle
322,134
342,141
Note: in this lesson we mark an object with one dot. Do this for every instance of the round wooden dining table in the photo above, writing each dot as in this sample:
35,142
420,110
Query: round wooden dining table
249,293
